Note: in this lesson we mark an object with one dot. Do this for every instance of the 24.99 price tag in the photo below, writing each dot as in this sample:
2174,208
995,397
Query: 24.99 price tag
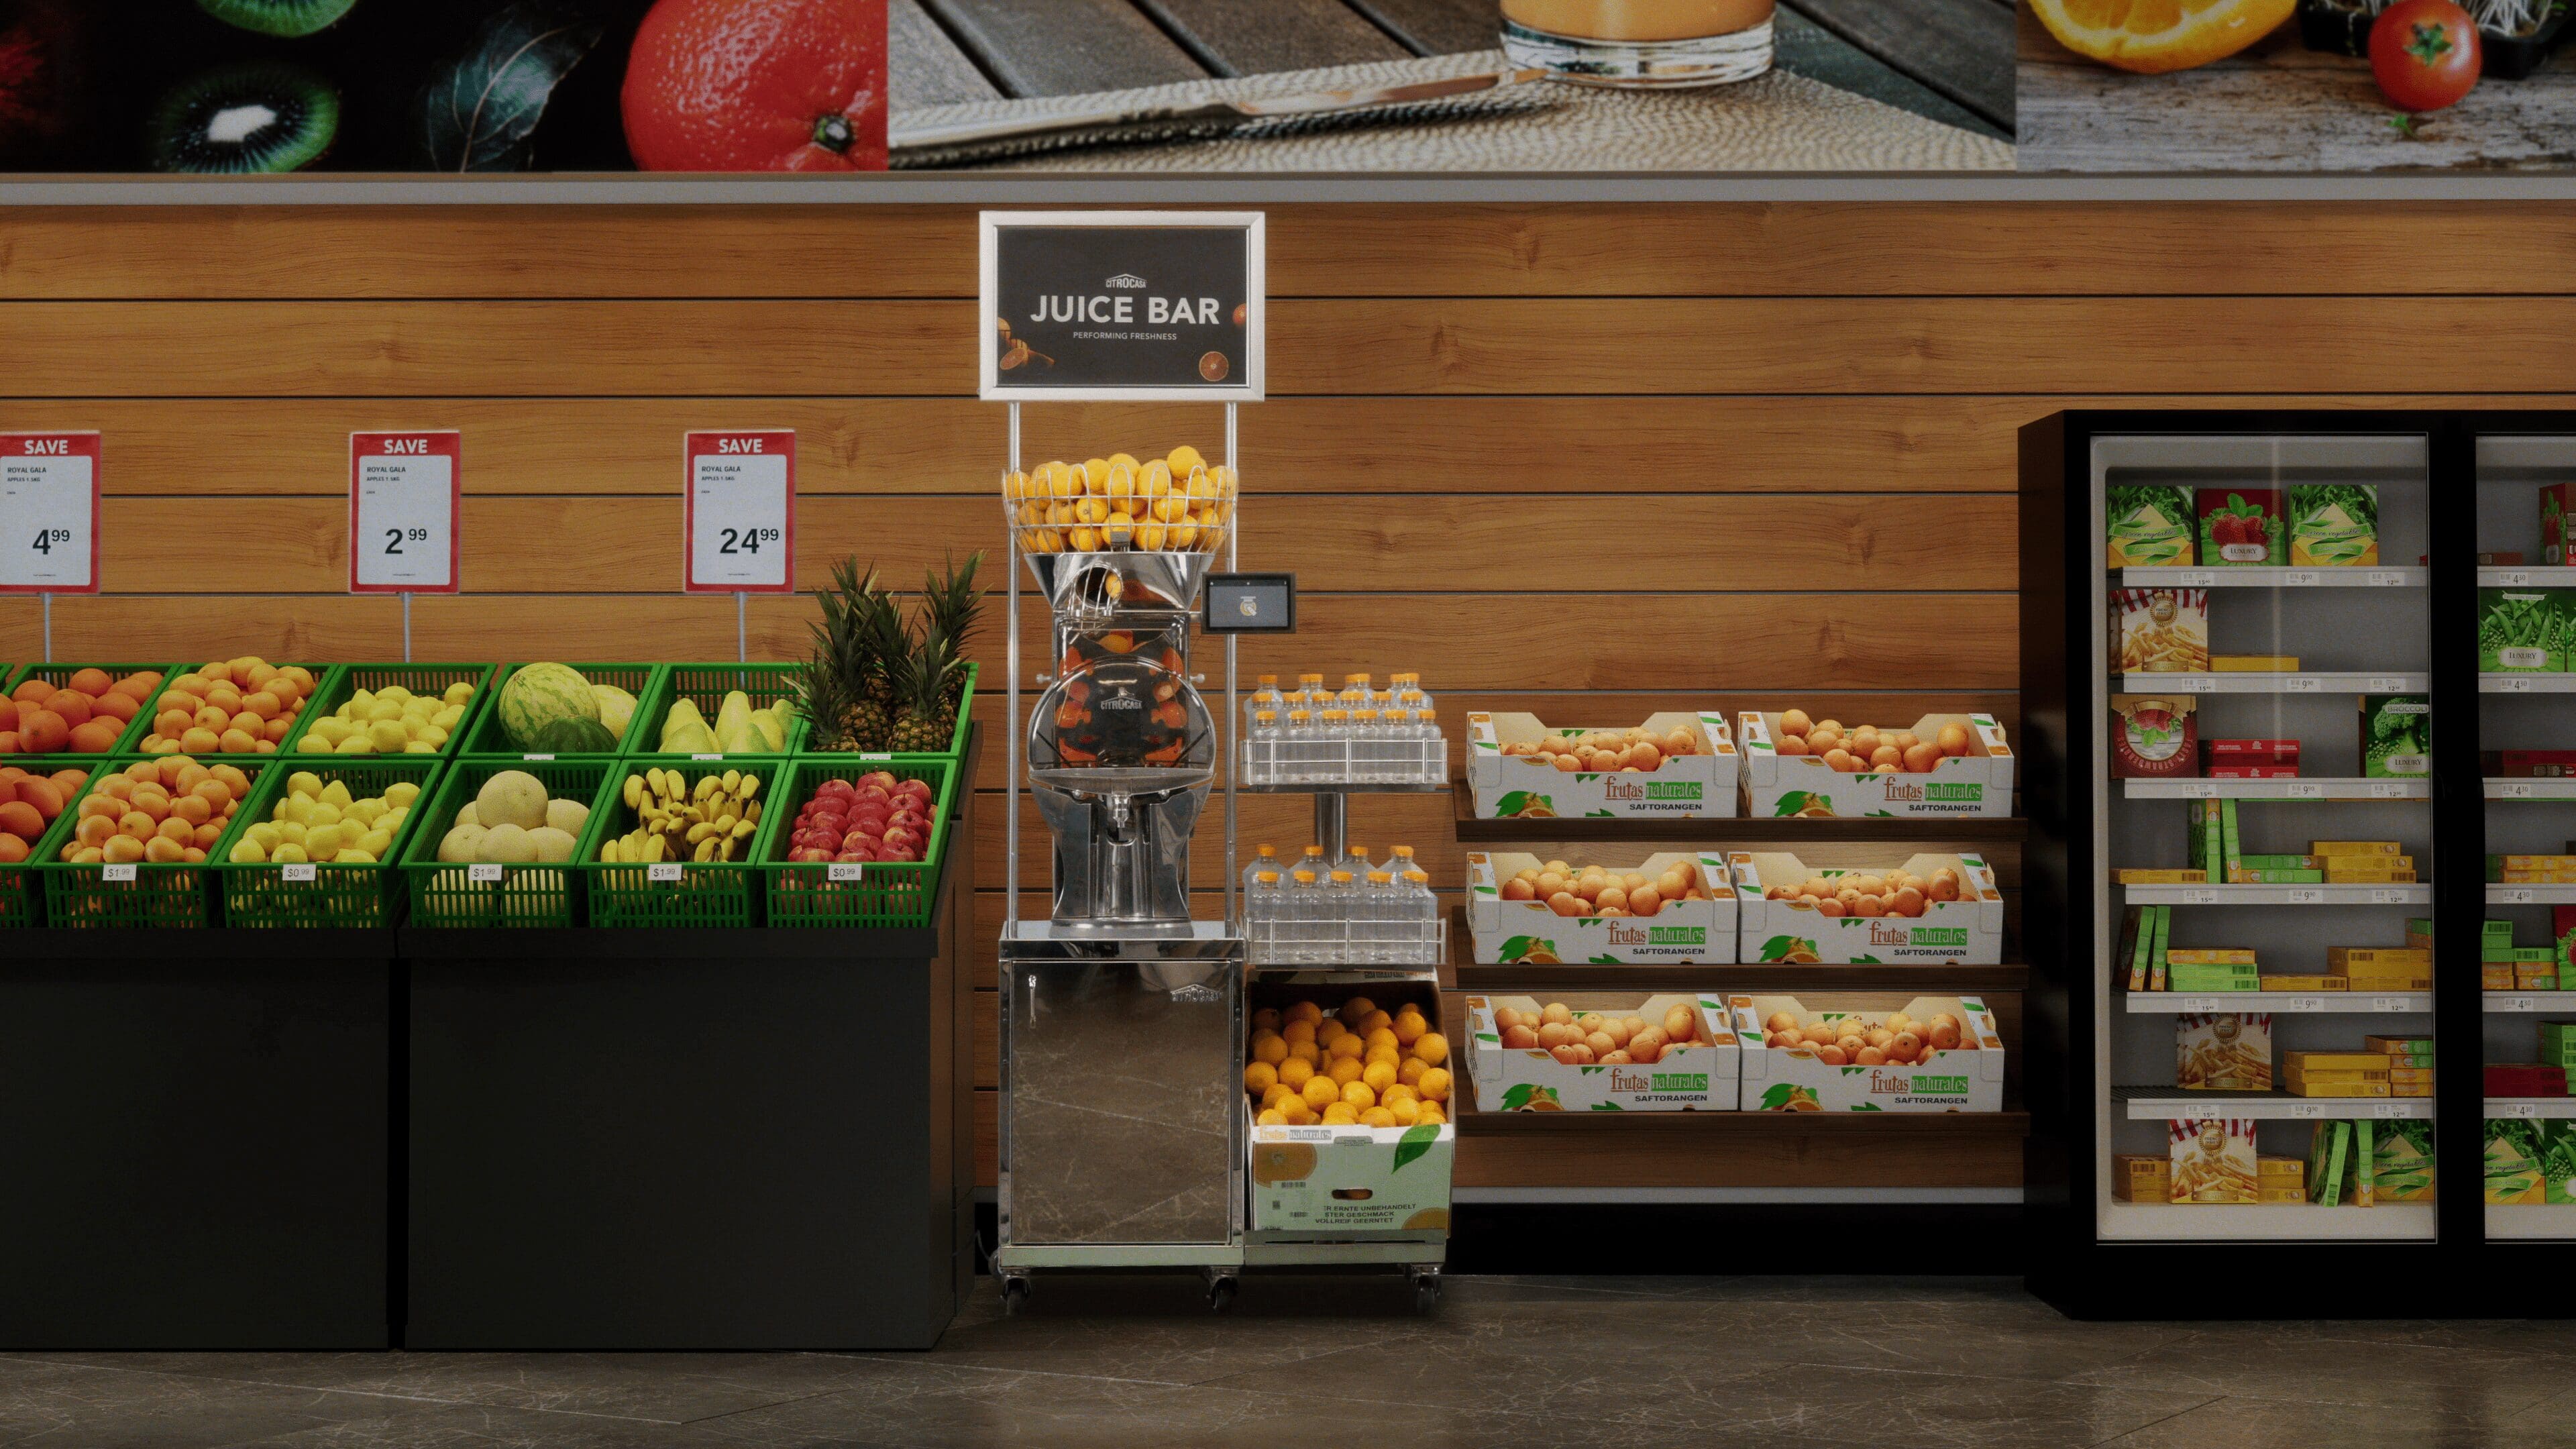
405,500
741,515
49,492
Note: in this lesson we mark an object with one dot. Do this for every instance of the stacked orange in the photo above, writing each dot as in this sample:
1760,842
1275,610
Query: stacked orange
1360,1066
29,803
230,707
87,715
168,811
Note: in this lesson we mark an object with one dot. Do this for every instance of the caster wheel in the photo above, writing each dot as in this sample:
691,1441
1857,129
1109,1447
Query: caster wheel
1015,1297
1426,1293
1221,1295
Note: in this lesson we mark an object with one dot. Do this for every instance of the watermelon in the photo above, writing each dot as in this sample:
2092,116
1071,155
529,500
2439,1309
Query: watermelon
538,695
573,737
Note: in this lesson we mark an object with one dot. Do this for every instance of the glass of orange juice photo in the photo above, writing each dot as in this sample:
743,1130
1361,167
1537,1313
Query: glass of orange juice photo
1640,42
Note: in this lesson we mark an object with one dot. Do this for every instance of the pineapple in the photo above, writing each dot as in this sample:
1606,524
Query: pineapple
950,609
843,687
925,719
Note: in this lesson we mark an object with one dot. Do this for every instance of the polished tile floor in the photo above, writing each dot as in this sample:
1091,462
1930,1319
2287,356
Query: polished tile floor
1516,1362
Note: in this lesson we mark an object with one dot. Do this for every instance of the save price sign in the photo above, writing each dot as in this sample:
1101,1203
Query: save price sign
405,497
49,491
741,515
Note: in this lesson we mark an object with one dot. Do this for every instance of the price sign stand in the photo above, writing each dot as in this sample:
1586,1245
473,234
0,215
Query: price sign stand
738,532
49,502
406,509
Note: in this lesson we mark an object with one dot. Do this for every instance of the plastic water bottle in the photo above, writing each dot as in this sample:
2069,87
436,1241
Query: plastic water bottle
1355,859
1266,696
1342,907
1421,912
1298,749
1333,741
1261,904
1377,929
1367,746
1431,757
1398,863
1264,858
1301,919
1263,748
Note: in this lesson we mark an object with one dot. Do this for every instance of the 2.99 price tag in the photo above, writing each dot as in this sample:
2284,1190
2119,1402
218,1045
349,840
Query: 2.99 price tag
49,491
741,513
405,499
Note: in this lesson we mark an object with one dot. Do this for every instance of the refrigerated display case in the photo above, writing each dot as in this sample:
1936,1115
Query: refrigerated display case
2246,738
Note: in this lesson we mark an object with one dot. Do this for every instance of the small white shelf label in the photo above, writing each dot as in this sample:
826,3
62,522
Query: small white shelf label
484,873
2515,895
297,873
840,871
2202,897
2300,578
2386,579
119,874
2307,896
663,872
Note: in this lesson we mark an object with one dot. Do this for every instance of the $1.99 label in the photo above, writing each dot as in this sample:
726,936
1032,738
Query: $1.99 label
49,490
741,513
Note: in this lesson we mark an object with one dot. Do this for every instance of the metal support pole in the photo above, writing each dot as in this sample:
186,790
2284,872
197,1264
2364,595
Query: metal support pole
1332,823
406,598
1011,726
49,628
1233,765
741,627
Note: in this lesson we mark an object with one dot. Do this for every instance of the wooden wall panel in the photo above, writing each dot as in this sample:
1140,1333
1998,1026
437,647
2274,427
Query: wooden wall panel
1744,455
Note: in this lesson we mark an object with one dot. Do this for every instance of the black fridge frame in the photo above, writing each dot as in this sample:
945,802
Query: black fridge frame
2457,1273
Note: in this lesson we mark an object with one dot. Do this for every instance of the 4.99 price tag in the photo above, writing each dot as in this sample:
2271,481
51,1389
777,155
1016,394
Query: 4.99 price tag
741,513
405,498
49,492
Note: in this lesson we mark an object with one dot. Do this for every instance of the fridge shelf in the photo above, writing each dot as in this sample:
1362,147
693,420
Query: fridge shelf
2278,895
2166,1104
2304,682
2247,577
2326,1003
2304,789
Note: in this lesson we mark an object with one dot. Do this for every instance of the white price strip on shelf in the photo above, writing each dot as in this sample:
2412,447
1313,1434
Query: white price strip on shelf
2303,790
2388,1003
2200,1003
2391,1109
2388,789
2200,898
2386,579
2307,896
2514,684
2199,579
406,504
741,513
2513,1109
2200,789
2519,1003
2300,578
2389,896
2300,684
2387,683
2514,896
2516,578
662,872
2301,1111
2304,1003
49,492
2515,790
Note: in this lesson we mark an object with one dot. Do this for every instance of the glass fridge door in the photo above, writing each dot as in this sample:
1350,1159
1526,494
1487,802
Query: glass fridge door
2527,758
2262,808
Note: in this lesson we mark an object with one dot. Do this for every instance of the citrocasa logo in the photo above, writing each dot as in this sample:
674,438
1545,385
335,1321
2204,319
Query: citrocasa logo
1614,788
1622,934
1126,282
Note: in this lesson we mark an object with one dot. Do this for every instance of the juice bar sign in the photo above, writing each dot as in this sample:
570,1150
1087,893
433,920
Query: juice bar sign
1122,304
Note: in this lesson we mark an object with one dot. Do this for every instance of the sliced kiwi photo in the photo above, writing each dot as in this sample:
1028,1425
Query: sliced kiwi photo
247,118
286,19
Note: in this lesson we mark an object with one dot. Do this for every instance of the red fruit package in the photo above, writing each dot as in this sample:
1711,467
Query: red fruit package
2240,526
2151,737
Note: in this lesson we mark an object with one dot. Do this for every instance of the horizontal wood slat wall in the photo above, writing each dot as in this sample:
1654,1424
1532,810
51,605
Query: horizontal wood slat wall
1746,455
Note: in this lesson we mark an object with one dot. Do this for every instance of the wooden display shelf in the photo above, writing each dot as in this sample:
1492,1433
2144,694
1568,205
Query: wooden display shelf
1718,830
1664,1126
1610,1153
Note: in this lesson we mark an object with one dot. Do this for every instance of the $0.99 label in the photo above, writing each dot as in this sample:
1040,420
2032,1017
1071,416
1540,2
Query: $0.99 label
405,492
741,513
49,490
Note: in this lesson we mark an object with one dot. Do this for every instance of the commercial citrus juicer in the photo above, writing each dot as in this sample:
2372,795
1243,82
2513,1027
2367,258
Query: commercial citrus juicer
1124,1141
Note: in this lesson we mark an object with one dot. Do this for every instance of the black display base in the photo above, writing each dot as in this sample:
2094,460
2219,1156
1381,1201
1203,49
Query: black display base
194,1139
688,1139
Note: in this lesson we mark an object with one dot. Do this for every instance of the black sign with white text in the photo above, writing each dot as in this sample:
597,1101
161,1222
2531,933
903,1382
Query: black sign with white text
1122,305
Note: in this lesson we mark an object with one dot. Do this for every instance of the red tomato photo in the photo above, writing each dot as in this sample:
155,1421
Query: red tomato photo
2424,54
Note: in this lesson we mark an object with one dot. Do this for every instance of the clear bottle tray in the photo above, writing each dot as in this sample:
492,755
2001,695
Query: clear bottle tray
1346,762
1349,943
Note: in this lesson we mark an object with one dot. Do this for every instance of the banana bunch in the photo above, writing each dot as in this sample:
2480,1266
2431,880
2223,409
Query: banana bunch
709,822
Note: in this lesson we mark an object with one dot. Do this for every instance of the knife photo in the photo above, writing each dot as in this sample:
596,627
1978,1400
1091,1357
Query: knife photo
961,142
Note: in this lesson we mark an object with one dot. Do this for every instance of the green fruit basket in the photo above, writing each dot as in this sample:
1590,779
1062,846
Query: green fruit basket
811,749
486,738
350,896
343,683
680,893
871,894
58,675
449,895
156,897
135,743
705,686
